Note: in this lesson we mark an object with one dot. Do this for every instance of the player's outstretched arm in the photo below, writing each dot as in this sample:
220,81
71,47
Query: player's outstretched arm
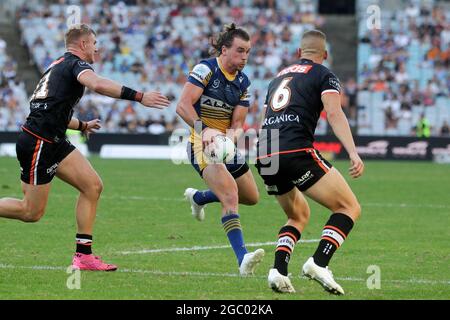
86,127
339,124
113,89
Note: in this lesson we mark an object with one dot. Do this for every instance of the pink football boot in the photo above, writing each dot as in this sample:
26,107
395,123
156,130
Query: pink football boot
90,262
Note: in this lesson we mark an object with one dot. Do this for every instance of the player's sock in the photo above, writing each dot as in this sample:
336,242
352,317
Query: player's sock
232,226
333,235
204,197
287,238
84,243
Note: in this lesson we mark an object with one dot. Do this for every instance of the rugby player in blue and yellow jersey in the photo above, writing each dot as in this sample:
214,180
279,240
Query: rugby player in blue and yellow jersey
215,101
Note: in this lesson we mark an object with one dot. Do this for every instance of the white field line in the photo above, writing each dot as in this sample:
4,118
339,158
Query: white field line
198,248
219,275
180,199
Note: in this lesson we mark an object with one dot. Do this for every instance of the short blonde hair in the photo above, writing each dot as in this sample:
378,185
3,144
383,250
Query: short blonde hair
315,34
310,45
76,31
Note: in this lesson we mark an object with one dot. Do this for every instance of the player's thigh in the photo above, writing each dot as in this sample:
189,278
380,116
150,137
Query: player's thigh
334,193
36,198
76,170
219,180
295,206
247,188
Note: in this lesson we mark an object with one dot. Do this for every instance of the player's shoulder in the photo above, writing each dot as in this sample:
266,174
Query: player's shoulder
76,61
208,65
244,80
203,71
321,69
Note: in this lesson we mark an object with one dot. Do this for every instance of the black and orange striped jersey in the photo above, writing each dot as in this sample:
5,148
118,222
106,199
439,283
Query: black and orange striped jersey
222,92
293,106
57,93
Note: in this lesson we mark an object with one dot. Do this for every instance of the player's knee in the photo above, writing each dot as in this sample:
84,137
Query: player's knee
98,187
31,214
356,210
95,188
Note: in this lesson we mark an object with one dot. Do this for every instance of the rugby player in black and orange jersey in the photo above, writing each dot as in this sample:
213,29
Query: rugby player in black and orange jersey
44,151
291,167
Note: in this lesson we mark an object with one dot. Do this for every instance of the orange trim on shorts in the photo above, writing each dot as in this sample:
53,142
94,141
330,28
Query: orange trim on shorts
35,135
288,234
283,249
284,152
318,161
33,161
337,230
331,240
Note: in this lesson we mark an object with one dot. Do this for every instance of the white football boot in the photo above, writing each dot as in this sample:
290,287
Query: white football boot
324,276
279,283
250,262
198,211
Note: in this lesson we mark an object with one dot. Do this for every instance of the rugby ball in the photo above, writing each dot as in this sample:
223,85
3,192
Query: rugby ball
220,150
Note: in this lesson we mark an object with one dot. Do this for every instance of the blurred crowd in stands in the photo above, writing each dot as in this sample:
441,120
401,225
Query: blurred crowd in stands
152,45
13,97
403,68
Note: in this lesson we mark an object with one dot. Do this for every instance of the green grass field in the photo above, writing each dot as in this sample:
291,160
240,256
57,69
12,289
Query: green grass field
404,230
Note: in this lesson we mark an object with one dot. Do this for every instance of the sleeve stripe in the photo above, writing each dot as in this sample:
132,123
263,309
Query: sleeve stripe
78,77
330,91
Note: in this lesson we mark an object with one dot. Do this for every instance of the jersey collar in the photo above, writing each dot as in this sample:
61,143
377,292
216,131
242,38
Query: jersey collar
229,76
306,60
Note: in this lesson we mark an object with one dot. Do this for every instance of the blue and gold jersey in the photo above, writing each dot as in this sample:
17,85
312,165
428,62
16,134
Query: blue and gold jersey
222,92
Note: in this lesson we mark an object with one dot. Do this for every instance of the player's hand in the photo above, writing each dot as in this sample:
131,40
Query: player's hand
208,136
155,99
92,127
357,166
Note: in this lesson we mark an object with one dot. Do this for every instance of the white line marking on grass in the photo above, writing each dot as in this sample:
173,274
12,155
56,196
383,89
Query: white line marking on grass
218,275
406,205
198,248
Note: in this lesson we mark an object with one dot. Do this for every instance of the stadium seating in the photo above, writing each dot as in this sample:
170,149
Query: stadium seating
12,93
417,23
166,41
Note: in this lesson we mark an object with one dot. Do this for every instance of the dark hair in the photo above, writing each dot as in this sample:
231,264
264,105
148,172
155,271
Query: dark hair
76,31
226,37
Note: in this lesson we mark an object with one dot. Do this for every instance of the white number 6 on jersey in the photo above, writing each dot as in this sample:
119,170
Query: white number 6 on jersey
282,95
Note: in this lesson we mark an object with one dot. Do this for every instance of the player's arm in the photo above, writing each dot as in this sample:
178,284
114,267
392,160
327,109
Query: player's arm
237,122
262,116
339,124
87,127
185,107
110,88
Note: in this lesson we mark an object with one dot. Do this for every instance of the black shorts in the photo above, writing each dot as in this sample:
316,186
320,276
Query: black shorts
39,159
301,169
236,167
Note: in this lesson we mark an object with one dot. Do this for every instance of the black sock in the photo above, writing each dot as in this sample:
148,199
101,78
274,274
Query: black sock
333,235
287,238
84,243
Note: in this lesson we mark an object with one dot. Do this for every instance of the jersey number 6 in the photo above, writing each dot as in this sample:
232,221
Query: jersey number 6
281,96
